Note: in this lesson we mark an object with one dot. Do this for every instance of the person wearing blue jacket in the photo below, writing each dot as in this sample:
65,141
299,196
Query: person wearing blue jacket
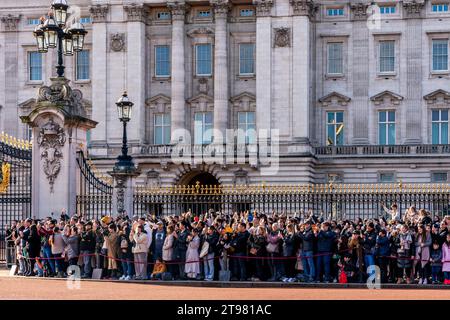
325,239
382,252
307,237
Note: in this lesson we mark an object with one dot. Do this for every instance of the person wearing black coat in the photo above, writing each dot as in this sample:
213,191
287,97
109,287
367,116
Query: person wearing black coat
87,248
369,243
325,241
290,247
34,250
181,244
307,238
212,238
239,243
382,253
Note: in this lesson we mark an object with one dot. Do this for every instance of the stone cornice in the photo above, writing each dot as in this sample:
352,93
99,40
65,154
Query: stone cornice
413,8
221,8
178,9
99,12
303,7
359,10
11,22
263,7
136,12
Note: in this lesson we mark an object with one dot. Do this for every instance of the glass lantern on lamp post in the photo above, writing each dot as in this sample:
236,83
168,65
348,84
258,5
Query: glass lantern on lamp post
52,33
124,107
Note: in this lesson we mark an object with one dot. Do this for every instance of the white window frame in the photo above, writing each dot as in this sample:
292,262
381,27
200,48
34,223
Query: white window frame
246,127
205,127
335,124
254,59
29,53
77,78
328,44
166,13
169,61
440,122
432,55
210,60
390,72
162,126
387,123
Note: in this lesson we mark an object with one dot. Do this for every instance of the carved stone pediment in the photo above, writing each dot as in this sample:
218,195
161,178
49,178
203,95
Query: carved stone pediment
334,98
159,102
438,97
387,98
240,177
243,100
201,31
201,101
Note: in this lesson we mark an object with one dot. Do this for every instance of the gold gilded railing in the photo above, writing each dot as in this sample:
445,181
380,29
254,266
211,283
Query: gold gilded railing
99,175
274,189
14,142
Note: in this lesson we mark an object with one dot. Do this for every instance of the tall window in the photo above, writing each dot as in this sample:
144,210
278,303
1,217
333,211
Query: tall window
162,61
439,126
386,127
203,124
82,65
161,128
387,56
440,55
203,56
246,58
335,128
246,123
387,9
439,7
35,65
335,61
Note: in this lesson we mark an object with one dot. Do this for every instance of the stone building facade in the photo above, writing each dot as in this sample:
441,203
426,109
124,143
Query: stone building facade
358,91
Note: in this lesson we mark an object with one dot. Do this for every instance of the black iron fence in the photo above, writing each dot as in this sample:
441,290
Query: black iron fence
94,197
338,201
15,184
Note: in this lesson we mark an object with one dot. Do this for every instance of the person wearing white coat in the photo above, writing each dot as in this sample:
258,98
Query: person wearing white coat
192,266
140,251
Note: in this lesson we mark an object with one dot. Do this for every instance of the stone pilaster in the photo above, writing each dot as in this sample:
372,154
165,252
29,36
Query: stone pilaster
263,64
221,9
360,75
99,15
301,62
136,16
178,105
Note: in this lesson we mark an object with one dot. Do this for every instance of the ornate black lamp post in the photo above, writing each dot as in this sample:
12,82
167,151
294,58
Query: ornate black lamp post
124,161
51,33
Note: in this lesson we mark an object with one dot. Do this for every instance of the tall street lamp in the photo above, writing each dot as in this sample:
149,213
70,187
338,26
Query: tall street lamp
52,33
124,161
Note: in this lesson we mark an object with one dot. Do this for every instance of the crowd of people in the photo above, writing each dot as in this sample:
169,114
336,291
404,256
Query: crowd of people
245,246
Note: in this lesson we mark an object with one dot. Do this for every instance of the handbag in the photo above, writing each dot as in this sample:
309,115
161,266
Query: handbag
205,249
343,277
272,247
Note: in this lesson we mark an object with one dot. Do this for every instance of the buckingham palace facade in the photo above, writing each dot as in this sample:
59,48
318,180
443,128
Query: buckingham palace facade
357,91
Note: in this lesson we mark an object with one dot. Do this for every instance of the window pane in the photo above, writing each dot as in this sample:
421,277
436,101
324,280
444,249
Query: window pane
382,116
339,117
387,56
246,58
391,116
335,58
444,133
382,133
330,135
83,65
203,59
241,117
250,117
444,115
440,55
391,133
340,135
162,61
435,133
331,117
35,63
435,115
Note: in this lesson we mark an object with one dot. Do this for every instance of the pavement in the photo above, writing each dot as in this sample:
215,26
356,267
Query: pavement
13,288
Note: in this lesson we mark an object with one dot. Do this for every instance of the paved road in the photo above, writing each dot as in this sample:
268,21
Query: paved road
27,288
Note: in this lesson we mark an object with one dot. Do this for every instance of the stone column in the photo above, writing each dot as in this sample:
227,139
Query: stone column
178,105
99,15
263,64
301,69
221,8
360,76
59,130
9,114
414,52
136,71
